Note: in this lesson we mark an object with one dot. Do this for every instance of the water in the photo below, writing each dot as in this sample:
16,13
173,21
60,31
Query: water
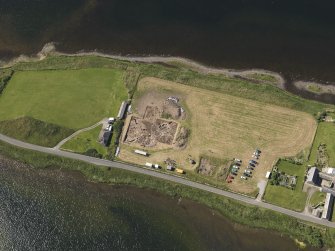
55,210
295,38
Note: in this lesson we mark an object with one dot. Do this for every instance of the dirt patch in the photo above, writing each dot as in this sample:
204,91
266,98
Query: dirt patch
154,104
181,139
148,133
205,167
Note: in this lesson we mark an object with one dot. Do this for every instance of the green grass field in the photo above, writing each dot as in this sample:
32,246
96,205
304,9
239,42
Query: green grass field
317,197
284,197
325,134
85,141
69,98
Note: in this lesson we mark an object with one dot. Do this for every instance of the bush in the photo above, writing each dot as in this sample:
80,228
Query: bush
93,153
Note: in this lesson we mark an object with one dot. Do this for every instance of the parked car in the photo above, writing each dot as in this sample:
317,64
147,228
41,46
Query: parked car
255,156
238,160
253,161
247,171
244,177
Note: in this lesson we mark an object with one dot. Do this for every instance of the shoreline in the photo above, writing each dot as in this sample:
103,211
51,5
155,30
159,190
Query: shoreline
277,79
314,87
49,49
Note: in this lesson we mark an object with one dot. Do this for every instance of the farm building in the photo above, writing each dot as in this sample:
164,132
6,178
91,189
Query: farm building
122,110
328,208
313,176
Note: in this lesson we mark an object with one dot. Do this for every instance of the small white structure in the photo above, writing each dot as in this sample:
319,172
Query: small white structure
173,99
111,120
148,164
117,151
157,166
330,171
129,109
328,208
268,174
141,152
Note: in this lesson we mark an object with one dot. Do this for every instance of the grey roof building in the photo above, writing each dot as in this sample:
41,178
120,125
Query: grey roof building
122,110
328,208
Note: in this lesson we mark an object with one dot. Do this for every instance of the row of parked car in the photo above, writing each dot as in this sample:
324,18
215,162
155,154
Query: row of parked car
251,165
234,169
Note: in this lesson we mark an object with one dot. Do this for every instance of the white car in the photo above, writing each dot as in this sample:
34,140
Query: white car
243,177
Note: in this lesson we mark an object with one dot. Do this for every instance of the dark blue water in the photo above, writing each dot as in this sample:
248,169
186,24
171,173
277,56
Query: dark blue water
293,37
55,210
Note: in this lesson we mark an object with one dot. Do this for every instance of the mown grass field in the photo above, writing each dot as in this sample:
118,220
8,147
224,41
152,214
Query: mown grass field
325,135
225,126
69,98
85,141
284,197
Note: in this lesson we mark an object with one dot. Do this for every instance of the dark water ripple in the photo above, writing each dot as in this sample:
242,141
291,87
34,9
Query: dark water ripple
55,210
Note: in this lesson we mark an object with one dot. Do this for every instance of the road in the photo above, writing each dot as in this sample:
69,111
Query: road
172,178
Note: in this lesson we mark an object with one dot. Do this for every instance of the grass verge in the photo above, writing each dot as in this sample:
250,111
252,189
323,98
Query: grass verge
34,131
85,141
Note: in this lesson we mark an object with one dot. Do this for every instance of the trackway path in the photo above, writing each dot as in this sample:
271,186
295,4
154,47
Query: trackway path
175,179
58,146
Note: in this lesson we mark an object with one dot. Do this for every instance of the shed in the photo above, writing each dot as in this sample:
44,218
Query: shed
106,137
141,152
122,110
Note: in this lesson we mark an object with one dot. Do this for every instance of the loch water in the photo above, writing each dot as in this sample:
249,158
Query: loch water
58,210
294,38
